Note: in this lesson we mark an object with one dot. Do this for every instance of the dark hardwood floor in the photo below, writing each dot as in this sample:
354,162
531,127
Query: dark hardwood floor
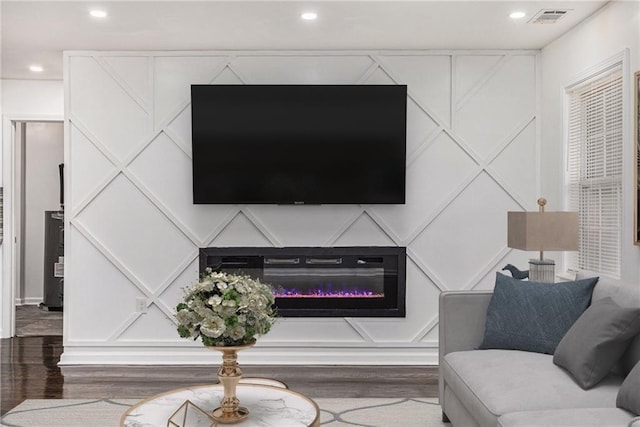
29,370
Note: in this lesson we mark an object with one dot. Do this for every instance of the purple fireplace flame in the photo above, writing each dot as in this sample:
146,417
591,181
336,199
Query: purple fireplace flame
328,292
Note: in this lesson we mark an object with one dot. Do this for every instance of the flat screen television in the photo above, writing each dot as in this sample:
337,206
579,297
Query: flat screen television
298,144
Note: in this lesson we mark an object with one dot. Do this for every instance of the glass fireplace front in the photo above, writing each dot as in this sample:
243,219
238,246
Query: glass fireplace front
322,282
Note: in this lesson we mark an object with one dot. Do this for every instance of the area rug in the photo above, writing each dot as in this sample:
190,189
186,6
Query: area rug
363,412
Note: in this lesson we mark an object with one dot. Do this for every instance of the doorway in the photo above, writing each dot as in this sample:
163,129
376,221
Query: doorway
38,227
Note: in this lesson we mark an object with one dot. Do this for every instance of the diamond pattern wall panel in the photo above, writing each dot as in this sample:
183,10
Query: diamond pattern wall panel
432,178
173,77
134,72
90,167
468,234
169,186
364,231
319,69
309,226
150,327
420,127
241,231
428,78
102,296
180,130
471,156
493,111
132,229
170,296
517,164
471,71
110,114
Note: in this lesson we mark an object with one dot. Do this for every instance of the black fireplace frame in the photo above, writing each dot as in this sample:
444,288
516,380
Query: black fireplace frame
392,257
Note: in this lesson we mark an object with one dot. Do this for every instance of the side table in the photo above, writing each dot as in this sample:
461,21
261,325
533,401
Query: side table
269,405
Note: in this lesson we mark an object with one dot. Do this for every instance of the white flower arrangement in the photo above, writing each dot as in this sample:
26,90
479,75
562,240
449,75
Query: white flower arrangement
226,309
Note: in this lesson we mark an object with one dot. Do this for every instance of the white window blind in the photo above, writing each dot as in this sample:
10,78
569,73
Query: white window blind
595,131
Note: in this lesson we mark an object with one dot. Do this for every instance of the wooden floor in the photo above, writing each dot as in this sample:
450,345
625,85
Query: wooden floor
29,370
32,320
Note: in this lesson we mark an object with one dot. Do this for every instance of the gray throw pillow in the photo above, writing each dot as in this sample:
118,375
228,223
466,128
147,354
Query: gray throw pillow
596,341
533,316
629,393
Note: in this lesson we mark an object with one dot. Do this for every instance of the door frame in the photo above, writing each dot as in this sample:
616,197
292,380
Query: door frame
10,164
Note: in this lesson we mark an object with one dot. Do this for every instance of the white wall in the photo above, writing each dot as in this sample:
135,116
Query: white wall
44,151
609,32
20,100
32,98
133,231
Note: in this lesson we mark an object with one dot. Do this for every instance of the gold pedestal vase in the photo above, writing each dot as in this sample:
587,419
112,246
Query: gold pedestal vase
229,374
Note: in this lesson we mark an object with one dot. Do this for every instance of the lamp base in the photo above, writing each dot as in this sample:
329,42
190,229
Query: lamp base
542,271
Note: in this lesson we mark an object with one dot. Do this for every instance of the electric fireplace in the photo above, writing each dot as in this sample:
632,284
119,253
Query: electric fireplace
322,281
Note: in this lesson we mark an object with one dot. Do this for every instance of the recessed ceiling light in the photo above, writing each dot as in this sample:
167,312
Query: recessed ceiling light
97,13
517,15
36,68
309,16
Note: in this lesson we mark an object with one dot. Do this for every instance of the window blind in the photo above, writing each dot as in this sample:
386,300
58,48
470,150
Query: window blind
594,170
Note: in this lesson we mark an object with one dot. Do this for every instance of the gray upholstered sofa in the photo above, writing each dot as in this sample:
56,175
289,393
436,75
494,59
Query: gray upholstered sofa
520,388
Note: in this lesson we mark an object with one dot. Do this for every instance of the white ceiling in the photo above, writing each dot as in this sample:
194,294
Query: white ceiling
38,32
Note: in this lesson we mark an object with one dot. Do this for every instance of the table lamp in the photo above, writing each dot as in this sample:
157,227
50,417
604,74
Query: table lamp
542,231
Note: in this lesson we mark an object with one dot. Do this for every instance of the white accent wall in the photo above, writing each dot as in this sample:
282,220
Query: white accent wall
133,231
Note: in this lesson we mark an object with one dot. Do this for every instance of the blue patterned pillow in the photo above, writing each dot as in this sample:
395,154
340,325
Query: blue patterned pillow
533,316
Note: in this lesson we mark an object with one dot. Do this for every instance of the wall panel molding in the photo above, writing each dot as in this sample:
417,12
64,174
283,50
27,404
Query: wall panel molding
456,100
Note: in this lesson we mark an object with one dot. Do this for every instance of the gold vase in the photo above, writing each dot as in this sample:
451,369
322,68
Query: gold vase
229,374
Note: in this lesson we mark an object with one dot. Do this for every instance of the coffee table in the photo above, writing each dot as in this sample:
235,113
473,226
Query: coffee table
269,405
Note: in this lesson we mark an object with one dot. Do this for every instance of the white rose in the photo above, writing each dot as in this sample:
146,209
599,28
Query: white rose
229,303
206,284
183,316
237,332
213,327
214,300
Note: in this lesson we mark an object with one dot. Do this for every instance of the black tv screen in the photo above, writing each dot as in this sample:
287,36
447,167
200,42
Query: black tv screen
298,144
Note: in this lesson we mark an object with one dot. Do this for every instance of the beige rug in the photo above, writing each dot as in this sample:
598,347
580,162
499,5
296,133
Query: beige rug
364,412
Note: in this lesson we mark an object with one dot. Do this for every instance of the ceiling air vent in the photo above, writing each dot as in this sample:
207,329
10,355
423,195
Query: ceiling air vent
548,16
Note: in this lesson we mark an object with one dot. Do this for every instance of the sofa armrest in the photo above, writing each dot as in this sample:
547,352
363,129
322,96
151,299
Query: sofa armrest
462,316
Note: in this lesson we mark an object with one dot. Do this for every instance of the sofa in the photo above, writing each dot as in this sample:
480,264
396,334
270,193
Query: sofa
516,388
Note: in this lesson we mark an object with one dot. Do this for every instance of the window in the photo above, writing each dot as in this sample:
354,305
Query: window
594,176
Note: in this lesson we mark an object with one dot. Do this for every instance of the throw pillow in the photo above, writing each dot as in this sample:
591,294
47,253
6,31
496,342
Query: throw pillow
629,393
533,316
596,341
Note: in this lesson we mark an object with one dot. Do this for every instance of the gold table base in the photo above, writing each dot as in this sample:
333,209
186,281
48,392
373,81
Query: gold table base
229,374
239,413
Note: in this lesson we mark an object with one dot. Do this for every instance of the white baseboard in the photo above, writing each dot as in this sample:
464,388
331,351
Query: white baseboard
171,355
29,301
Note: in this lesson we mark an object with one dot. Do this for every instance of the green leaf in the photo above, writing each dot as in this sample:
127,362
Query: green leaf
183,331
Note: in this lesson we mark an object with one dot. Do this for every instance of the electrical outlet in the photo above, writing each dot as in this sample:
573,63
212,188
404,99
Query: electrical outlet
141,305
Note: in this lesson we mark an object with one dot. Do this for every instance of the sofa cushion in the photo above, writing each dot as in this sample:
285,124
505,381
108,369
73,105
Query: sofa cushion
595,342
533,316
583,417
629,393
492,383
631,357
626,295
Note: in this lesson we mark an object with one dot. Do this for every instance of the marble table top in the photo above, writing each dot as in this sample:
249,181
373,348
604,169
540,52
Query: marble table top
269,405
